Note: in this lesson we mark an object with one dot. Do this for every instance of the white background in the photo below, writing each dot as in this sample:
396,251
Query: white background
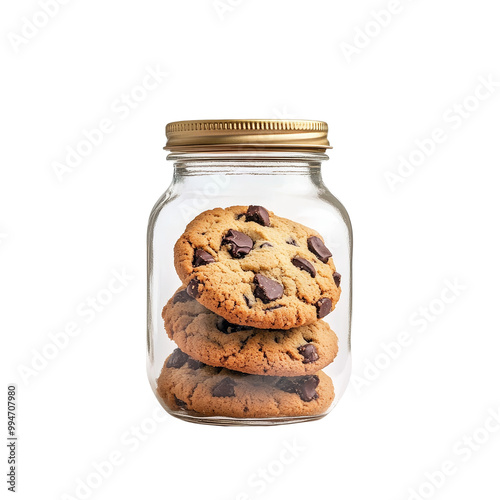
62,238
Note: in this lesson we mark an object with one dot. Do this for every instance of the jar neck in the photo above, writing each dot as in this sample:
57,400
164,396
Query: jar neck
247,163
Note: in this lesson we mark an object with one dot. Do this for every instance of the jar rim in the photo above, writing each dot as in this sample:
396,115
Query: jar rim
248,155
253,134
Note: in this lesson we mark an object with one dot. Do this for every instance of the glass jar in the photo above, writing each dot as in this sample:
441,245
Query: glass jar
249,276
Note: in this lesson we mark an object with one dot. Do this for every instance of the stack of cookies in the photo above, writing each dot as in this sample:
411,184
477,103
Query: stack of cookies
247,319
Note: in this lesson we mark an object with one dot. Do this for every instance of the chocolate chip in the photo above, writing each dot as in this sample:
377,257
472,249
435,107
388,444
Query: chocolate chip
182,296
248,301
225,327
180,403
195,364
318,248
239,243
337,277
192,288
177,359
309,352
202,258
305,387
324,307
267,289
304,265
224,389
266,244
258,214
291,241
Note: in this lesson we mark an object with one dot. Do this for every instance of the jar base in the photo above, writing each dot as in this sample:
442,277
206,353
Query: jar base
239,422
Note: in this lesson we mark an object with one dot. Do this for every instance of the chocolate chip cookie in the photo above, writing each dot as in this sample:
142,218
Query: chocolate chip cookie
211,339
256,269
186,384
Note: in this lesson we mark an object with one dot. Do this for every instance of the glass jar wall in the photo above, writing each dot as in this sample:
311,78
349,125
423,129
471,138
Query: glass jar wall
249,278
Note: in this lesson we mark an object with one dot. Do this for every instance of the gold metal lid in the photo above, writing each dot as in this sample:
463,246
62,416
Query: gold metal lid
236,135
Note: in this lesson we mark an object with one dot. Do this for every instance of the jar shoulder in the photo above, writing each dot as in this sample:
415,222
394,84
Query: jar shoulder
330,199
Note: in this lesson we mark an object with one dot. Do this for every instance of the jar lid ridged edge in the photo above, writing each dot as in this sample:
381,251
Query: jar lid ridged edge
241,133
